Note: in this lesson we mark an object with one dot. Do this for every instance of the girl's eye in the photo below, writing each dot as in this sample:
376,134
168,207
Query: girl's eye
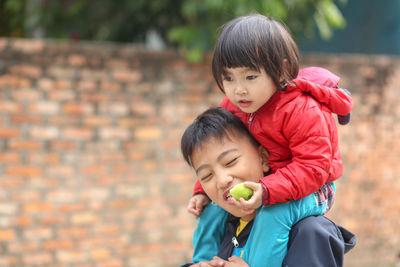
227,78
230,163
251,77
205,177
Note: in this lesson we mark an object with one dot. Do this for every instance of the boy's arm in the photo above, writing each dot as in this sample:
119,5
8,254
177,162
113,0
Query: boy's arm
309,138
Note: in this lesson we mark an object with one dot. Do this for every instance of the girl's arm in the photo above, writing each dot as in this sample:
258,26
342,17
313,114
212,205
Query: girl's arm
323,85
312,138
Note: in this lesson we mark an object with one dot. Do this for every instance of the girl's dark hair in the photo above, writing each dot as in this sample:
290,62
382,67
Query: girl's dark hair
256,41
213,123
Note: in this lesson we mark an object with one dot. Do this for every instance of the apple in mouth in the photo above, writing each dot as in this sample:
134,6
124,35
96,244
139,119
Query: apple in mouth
240,190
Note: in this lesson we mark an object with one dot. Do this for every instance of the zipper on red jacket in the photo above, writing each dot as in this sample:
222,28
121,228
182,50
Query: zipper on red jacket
250,120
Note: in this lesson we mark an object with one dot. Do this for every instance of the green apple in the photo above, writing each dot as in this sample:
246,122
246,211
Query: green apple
240,190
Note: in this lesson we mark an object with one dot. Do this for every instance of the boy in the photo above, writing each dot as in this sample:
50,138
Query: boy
223,154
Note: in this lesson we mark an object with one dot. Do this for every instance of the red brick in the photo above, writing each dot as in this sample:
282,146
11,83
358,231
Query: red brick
25,94
71,207
23,247
115,133
77,60
25,145
110,86
148,133
71,256
8,260
3,43
44,132
9,132
8,208
94,97
35,207
14,81
39,258
78,133
9,157
38,233
97,121
28,70
63,145
7,235
45,108
127,75
23,170
61,72
43,158
52,220
63,120
60,196
28,46
90,76
84,218
10,182
62,95
58,244
23,221
78,109
26,118
100,254
61,83
10,107
111,263
45,83
72,232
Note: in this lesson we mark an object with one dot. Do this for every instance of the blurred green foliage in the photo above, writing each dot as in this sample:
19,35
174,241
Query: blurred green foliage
192,25
12,18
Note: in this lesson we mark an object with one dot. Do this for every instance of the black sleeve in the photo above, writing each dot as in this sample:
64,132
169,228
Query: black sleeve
316,241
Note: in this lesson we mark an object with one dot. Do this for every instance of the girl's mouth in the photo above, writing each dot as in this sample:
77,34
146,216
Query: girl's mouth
244,103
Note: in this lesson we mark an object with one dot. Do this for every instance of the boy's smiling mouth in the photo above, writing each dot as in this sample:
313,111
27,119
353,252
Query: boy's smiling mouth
227,195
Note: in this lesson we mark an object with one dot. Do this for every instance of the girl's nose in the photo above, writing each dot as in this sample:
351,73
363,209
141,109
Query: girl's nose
241,90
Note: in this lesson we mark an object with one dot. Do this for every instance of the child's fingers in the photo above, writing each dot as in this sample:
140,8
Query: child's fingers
254,186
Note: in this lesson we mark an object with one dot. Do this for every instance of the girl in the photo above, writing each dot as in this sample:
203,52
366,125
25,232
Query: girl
256,66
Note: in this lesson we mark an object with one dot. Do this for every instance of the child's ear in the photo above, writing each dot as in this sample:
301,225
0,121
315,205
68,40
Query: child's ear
264,157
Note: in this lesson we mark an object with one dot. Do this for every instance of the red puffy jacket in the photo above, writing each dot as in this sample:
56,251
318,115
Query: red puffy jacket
298,129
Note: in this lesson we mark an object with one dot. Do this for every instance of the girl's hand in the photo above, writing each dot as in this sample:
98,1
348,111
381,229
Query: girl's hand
197,203
255,201
215,262
235,261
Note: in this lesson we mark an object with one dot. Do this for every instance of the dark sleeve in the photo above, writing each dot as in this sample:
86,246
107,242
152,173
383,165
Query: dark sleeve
316,241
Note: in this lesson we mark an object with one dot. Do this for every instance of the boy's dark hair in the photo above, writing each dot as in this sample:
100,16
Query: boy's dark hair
212,123
256,41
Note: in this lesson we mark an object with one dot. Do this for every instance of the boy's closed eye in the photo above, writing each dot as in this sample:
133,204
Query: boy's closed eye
205,177
231,162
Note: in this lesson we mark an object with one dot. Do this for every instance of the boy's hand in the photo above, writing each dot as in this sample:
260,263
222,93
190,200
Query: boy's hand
197,203
255,201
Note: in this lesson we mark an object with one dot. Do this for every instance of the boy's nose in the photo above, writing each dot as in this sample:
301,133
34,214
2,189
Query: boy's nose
223,181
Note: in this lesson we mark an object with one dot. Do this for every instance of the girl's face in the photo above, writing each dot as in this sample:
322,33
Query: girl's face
220,164
248,89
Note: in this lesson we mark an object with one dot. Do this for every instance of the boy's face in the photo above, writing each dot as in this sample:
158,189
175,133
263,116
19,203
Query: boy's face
222,164
248,89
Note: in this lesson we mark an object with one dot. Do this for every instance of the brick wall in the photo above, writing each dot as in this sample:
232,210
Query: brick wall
90,168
